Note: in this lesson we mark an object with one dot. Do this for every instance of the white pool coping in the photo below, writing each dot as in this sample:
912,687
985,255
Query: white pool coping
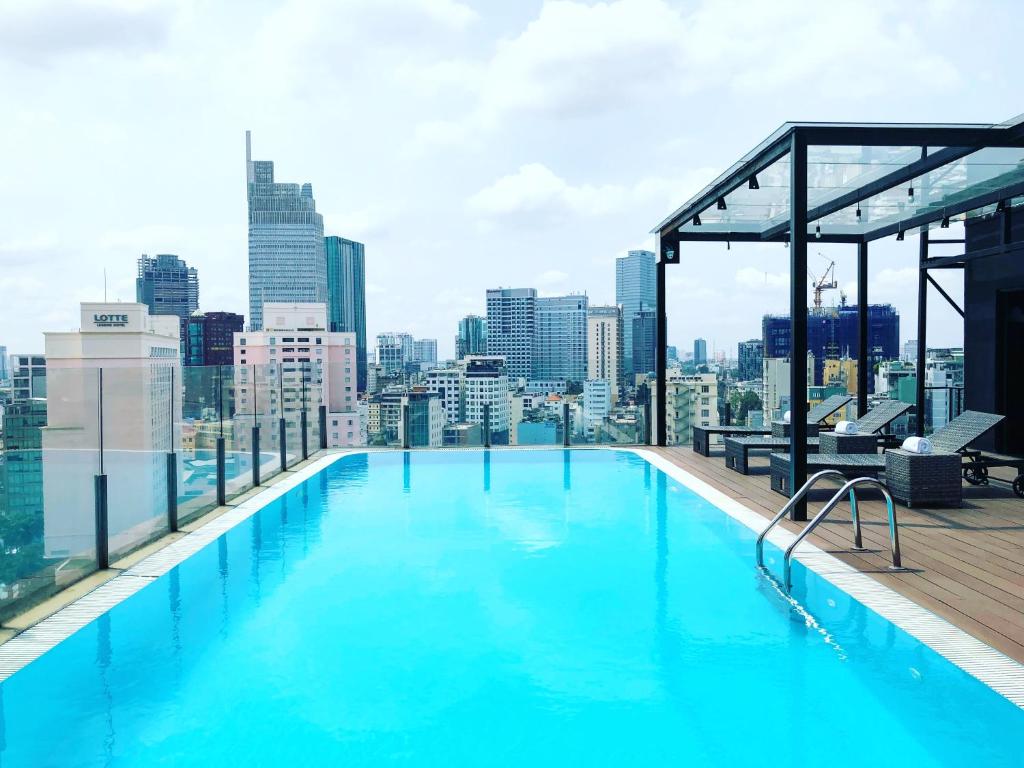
996,670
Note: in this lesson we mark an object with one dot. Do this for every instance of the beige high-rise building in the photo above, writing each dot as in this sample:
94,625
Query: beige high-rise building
691,400
604,346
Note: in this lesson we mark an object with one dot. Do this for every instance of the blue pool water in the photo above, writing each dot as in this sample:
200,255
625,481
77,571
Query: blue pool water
526,608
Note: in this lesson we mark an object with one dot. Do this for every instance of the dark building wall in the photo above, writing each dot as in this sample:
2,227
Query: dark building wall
834,334
645,330
993,322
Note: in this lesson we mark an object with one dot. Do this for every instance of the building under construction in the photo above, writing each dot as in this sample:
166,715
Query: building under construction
832,334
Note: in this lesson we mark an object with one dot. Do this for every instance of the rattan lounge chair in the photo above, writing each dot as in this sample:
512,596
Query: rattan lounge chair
956,437
911,478
868,427
817,414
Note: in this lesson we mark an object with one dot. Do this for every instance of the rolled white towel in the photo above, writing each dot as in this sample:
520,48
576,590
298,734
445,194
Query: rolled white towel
785,418
846,428
917,445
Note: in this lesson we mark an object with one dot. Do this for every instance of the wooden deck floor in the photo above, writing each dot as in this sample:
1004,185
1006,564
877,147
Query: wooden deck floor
966,564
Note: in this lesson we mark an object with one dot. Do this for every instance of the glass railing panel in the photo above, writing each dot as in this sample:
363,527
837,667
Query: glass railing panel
235,427
196,452
47,490
139,428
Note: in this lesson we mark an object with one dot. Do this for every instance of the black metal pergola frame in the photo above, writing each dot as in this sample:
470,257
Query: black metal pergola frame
950,144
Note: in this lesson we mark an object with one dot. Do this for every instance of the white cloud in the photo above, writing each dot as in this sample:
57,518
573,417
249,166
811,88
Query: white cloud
534,188
537,192
754,279
37,33
551,278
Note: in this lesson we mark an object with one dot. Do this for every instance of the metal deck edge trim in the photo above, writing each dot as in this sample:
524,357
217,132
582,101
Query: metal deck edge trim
27,646
981,661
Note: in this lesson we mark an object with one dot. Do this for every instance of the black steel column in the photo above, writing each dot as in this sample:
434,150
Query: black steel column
255,456
323,427
922,325
798,320
566,425
303,431
102,518
221,495
487,425
282,428
862,329
665,254
172,492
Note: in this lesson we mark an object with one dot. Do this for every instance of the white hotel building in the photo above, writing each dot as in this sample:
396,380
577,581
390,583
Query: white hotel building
139,355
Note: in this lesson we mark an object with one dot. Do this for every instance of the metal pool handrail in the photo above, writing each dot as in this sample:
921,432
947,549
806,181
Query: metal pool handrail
799,495
894,538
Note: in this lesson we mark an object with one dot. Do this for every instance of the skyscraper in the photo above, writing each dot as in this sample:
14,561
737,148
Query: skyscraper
5,368
210,338
560,346
604,346
168,286
472,336
346,295
751,353
645,329
635,289
511,318
700,351
425,350
286,241
394,350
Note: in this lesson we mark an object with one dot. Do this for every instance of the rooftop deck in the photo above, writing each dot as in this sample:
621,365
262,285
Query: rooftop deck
966,564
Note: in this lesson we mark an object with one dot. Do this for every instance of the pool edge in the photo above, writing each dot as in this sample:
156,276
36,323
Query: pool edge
981,661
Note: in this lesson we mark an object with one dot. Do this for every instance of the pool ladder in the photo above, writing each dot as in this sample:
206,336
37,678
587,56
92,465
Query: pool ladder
849,486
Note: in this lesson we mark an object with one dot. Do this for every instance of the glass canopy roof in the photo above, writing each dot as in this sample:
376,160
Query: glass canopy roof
858,191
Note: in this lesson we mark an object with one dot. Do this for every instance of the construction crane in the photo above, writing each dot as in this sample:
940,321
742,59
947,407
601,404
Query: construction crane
826,283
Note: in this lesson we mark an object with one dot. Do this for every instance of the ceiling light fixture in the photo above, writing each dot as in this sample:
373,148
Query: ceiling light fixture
696,219
858,210
752,183
945,222
721,204
910,191
817,232
899,235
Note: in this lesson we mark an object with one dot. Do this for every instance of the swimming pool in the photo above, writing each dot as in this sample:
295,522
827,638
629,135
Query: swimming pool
494,608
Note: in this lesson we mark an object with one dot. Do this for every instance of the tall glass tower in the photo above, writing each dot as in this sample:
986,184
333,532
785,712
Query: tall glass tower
560,347
635,289
286,241
472,336
346,295
167,285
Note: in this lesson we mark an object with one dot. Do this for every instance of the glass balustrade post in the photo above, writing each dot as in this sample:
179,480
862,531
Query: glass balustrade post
221,495
282,424
566,426
323,427
100,491
487,425
255,433
172,468
406,442
303,427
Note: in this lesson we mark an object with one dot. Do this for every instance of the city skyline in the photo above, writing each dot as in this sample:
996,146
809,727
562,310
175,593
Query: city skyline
548,211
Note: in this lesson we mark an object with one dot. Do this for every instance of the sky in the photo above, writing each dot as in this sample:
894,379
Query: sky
469,145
